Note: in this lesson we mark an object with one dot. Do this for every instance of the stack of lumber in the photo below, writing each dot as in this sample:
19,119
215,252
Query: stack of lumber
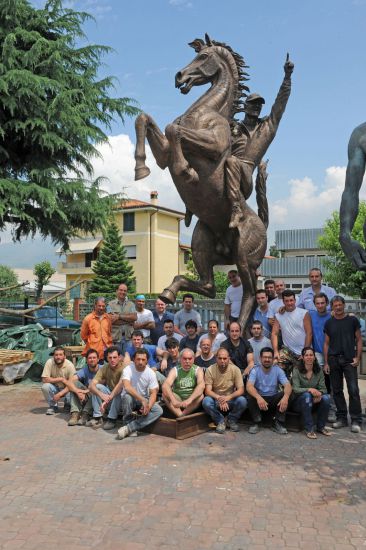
12,357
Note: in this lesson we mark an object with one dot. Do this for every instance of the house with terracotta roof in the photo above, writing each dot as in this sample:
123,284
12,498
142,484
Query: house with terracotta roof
150,234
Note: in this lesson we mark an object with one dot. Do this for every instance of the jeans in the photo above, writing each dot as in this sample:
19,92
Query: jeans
129,405
78,406
272,401
236,407
304,404
114,406
338,370
49,390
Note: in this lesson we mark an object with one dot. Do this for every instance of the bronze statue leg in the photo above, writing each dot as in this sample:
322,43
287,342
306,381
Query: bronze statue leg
204,258
232,180
146,127
179,166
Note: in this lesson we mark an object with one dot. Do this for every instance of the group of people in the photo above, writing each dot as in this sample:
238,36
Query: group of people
139,361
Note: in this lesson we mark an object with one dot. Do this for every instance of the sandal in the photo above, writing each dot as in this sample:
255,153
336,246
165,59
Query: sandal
325,431
311,435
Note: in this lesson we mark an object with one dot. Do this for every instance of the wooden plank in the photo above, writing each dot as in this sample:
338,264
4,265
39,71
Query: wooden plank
10,356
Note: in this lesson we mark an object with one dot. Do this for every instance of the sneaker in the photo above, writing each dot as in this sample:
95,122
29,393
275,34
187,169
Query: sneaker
339,424
355,428
233,425
254,429
95,423
67,407
109,424
332,417
123,432
74,418
84,418
279,428
220,428
52,410
134,434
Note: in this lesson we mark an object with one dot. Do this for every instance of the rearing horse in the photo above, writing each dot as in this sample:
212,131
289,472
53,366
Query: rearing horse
194,148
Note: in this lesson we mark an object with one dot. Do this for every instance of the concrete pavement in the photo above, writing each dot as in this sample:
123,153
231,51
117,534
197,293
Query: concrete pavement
75,488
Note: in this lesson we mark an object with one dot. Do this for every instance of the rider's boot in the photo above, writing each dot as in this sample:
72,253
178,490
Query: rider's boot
236,215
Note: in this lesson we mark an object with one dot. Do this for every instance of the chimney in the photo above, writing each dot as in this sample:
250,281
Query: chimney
154,197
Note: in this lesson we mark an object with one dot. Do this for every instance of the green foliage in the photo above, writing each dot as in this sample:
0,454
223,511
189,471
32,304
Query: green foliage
273,251
112,267
53,107
8,277
221,281
340,273
43,271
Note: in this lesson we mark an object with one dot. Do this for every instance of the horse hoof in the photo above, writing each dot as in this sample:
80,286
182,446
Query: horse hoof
141,173
167,296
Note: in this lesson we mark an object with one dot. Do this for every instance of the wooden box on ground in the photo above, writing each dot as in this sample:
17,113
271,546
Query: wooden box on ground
180,428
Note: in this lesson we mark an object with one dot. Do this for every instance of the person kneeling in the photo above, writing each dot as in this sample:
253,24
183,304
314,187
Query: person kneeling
140,389
264,394
310,391
184,386
224,392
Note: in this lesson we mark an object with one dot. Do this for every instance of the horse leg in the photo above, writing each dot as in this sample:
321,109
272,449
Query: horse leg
179,165
204,257
146,127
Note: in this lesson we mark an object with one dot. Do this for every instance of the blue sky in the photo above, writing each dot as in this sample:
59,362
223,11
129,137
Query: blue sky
325,39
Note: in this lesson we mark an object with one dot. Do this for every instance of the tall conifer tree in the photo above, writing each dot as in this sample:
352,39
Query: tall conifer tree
54,109
112,267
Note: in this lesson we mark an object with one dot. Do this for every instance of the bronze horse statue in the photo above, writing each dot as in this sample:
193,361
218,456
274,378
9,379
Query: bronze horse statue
194,148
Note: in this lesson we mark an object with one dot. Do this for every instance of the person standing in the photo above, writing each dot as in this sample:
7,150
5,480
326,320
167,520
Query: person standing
123,315
342,356
306,297
96,329
187,313
213,334
277,303
258,341
160,316
233,298
240,351
269,287
261,311
145,319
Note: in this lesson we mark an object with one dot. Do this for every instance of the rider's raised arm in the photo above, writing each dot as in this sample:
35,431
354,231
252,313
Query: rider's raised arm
280,103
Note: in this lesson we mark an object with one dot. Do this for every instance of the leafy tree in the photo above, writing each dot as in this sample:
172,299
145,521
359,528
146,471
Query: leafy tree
220,278
339,271
53,107
43,271
8,277
273,251
112,267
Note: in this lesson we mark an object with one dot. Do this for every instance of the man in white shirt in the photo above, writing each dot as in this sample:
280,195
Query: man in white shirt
145,319
187,313
277,302
139,388
233,298
296,330
258,341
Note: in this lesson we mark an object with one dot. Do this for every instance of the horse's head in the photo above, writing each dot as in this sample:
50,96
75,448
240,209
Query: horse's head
202,69
212,59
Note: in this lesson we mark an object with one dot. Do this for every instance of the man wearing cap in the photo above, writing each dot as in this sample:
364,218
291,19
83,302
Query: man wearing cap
145,319
250,141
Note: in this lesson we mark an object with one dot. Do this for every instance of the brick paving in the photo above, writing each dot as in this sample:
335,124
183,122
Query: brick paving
75,488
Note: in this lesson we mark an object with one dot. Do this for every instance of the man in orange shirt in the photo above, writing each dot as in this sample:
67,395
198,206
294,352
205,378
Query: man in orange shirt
96,329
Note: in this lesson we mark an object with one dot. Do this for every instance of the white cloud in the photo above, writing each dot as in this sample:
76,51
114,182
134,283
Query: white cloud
117,163
309,204
181,3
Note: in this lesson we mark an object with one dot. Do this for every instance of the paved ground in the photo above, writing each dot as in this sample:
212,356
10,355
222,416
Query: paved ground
76,489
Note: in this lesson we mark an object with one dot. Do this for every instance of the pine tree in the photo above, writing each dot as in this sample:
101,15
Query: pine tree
112,267
53,107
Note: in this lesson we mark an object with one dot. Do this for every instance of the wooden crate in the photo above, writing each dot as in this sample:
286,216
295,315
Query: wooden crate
180,428
73,352
11,356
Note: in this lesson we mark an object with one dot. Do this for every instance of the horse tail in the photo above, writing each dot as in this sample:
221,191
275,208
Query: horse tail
261,192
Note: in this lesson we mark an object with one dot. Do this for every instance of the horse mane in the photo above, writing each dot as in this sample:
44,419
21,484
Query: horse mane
242,89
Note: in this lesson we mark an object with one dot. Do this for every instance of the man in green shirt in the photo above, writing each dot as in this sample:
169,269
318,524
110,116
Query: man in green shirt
184,386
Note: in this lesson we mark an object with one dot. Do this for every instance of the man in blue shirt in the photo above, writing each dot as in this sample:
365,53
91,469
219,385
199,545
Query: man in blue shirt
264,395
260,313
160,316
80,400
306,297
